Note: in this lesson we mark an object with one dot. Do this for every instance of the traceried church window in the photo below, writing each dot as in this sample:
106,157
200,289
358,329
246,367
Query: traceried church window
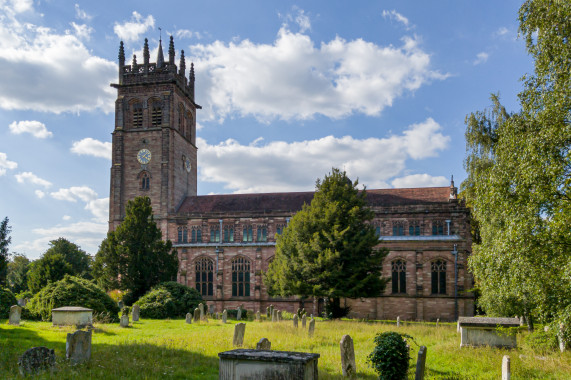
438,269
262,233
240,277
145,181
228,234
399,276
157,115
137,116
182,235
437,227
414,229
214,234
247,234
196,236
204,280
398,229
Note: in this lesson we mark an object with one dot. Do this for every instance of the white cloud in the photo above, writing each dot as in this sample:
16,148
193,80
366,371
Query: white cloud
16,6
481,58
40,194
47,71
303,21
33,127
99,208
502,31
185,33
92,147
131,30
295,166
81,14
292,79
6,164
66,217
74,193
394,15
32,178
419,180
82,31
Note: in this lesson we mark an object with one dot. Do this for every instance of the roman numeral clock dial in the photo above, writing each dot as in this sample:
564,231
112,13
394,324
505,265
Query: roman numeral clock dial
144,156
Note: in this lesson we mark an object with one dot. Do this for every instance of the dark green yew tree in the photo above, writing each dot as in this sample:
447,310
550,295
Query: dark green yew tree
134,257
5,241
328,249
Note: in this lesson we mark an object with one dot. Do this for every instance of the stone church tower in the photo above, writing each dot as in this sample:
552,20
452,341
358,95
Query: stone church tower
154,140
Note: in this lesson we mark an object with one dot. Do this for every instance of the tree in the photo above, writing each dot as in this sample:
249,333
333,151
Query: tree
134,256
18,273
5,241
519,177
328,248
79,260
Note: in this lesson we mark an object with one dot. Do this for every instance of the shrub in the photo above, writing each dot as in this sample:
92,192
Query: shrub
7,299
25,294
186,299
157,304
72,291
391,356
542,341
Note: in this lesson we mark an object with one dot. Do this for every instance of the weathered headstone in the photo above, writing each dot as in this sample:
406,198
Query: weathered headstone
36,359
239,330
458,326
268,312
506,371
15,314
279,315
560,337
22,302
201,308
258,316
437,321
420,363
303,321
212,309
135,313
196,315
124,321
78,347
348,365
224,316
239,313
271,310
274,315
311,329
295,319
188,318
264,344
398,321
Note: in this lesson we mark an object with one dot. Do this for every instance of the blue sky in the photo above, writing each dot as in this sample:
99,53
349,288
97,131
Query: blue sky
288,89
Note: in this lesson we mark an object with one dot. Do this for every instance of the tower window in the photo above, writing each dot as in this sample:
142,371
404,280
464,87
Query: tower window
438,269
157,115
240,277
137,116
399,276
145,181
204,281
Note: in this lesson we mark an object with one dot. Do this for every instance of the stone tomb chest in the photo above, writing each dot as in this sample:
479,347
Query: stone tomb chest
484,332
72,315
267,365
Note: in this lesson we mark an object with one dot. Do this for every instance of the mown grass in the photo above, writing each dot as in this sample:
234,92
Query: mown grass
153,349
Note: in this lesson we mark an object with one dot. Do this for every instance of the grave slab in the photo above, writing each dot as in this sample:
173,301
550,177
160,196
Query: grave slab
477,331
72,315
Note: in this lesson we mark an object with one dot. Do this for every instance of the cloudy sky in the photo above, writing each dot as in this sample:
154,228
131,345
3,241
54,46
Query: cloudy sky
288,89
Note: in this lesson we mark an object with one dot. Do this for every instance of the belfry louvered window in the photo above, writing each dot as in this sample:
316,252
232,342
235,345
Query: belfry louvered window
137,116
240,277
204,280
157,115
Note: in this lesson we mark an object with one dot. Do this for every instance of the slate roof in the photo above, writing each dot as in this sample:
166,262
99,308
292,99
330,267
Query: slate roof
292,202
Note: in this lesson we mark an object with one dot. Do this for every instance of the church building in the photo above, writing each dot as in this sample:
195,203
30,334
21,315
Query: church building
226,242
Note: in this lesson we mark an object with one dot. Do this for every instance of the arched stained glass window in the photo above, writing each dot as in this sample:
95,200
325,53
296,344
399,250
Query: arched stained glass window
240,277
204,280
438,269
399,276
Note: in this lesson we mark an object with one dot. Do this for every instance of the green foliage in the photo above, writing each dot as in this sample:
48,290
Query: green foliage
135,253
79,260
233,314
18,273
328,248
47,270
542,341
391,356
185,298
72,291
169,300
7,300
5,241
519,178
24,294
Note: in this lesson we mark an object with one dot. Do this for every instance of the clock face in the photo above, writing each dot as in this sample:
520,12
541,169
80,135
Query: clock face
144,156
187,165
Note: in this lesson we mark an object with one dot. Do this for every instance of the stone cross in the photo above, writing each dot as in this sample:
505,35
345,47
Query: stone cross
36,359
224,316
398,321
437,321
348,365
196,314
78,347
295,320
268,312
506,373
201,308
239,330
188,318
258,316
303,321
420,363
135,313
264,344
15,314
124,321
239,313
311,327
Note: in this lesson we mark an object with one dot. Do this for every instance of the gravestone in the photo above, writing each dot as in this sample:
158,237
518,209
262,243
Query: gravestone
124,321
188,318
420,363
268,312
437,321
201,308
196,315
22,302
72,315
271,310
295,320
348,365
224,316
239,330
264,344
274,315
78,347
258,316
303,321
36,359
217,315
239,313
458,326
506,372
15,314
311,329
212,309
398,321
135,313
560,338
279,315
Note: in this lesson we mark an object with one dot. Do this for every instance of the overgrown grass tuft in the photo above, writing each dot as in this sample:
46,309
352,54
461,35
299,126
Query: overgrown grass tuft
173,349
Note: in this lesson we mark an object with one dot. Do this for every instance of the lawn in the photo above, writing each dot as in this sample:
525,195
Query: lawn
153,349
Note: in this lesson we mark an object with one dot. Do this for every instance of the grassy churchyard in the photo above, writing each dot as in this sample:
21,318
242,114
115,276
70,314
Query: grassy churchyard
152,349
